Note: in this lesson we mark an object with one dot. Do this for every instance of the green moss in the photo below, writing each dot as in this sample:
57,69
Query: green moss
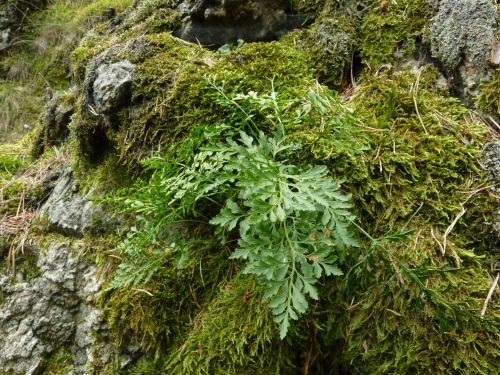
390,30
236,334
90,47
424,148
179,292
110,175
144,366
16,191
411,151
305,6
389,327
154,16
489,97
58,363
392,330
331,42
90,14
170,95
10,163
11,196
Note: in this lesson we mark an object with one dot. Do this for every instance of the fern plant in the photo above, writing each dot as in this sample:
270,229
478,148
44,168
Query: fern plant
294,224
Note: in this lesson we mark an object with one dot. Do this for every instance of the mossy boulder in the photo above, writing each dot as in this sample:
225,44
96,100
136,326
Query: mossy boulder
412,307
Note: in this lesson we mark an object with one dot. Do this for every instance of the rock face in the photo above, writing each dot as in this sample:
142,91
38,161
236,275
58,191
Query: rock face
52,311
111,89
491,156
67,211
56,119
462,36
219,22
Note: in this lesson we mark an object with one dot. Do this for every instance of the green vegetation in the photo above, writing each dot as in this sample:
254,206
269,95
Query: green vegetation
39,57
370,196
58,363
391,30
302,213
429,298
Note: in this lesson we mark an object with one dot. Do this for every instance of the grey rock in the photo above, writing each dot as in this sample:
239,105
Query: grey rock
467,81
56,310
462,36
225,22
68,212
112,89
491,160
463,28
57,116
4,39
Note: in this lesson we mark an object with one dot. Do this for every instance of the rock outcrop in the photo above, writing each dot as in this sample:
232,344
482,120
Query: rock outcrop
462,37
111,89
55,311
215,23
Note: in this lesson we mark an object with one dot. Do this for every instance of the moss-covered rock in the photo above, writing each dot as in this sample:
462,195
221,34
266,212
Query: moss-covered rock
463,29
413,306
391,29
169,92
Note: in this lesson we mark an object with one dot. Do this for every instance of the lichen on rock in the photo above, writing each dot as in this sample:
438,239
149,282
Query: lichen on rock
54,311
463,28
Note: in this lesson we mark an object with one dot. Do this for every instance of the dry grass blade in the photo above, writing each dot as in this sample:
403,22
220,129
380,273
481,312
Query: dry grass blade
18,228
490,293
419,117
450,228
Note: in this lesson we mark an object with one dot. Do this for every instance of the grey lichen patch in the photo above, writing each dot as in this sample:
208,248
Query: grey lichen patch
491,156
48,322
463,28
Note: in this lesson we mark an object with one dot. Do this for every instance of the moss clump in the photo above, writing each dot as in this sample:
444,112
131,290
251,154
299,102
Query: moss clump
170,95
10,163
144,366
387,30
331,40
430,158
424,148
153,16
180,292
58,363
305,6
235,334
26,263
393,330
11,196
489,98
419,136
